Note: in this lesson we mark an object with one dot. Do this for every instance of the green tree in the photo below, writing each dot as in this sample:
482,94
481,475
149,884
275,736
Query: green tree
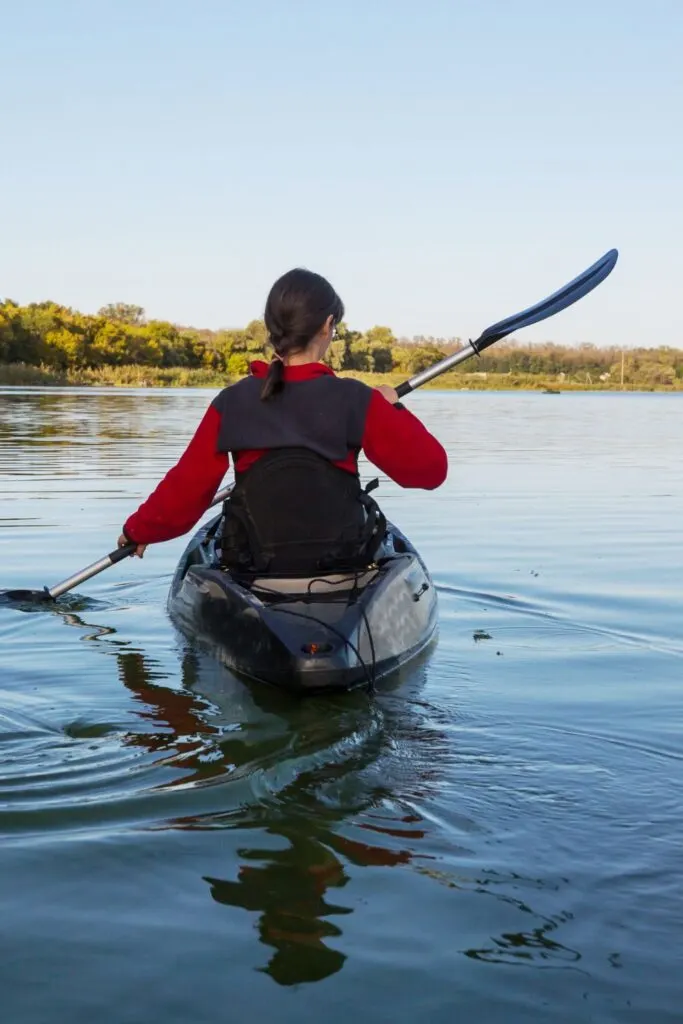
339,354
65,348
336,355
421,357
123,313
111,344
380,342
380,336
382,358
359,356
256,337
237,365
57,336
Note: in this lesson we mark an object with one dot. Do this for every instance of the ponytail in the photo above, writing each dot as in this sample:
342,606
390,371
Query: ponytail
298,305
275,379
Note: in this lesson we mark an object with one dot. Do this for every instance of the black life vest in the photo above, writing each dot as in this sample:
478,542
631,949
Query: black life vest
294,513
326,414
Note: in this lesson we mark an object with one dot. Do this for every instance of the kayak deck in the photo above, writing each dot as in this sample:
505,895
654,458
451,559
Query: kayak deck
329,632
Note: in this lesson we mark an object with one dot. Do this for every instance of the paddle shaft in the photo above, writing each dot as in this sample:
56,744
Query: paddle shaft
90,570
435,371
111,559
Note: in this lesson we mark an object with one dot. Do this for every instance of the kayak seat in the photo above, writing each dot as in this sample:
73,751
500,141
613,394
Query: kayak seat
329,583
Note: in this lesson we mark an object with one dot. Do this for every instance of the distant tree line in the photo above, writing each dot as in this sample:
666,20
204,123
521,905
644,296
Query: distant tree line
47,334
650,367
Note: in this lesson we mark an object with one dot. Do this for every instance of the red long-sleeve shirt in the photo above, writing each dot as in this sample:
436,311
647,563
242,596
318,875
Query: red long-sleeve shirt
393,439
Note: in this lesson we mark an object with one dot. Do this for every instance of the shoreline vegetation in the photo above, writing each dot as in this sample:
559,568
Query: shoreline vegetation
46,344
22,375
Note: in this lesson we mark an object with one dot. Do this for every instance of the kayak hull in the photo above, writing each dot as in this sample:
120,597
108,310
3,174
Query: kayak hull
335,632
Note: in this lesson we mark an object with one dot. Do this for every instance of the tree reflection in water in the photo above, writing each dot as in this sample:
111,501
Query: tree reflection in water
330,784
330,746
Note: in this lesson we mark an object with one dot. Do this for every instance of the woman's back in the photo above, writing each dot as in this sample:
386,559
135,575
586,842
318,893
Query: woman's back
294,404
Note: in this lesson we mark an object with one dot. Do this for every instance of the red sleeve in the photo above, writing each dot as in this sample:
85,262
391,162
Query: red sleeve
402,447
186,491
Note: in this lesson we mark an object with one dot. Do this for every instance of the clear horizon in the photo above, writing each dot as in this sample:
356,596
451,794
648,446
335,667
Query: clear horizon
445,166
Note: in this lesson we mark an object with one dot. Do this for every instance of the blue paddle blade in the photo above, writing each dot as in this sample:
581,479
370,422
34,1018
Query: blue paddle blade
559,300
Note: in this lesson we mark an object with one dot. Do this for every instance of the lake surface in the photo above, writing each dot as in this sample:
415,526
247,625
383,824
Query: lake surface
495,836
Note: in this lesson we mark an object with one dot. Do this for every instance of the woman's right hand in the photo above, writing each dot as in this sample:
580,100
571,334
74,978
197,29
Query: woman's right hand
389,393
123,540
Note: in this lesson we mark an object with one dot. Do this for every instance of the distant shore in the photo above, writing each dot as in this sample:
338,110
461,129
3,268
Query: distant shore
23,375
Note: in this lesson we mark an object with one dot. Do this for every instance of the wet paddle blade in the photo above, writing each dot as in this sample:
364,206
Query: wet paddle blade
26,596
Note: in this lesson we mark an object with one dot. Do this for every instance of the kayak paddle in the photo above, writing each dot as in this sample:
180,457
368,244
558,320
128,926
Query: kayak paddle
52,593
567,296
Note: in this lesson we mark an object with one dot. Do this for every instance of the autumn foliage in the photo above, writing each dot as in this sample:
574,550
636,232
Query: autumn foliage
59,339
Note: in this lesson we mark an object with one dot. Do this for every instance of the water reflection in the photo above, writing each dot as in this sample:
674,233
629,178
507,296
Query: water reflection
324,787
173,722
329,750
100,425
316,780
288,892
332,785
526,948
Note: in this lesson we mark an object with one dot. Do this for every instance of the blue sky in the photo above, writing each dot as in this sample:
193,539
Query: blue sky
444,163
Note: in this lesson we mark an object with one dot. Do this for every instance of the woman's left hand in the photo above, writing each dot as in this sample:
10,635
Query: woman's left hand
388,392
123,540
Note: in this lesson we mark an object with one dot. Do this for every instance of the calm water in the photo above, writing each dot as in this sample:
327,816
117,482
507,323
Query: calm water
496,836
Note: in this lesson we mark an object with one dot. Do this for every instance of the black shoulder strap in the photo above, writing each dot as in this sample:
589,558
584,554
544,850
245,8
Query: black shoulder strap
375,527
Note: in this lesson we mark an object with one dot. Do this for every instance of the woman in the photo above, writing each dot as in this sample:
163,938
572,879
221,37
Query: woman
294,430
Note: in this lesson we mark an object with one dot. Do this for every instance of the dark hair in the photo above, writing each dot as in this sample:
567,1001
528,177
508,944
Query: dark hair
298,305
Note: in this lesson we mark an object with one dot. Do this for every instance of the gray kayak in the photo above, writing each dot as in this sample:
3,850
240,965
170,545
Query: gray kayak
331,632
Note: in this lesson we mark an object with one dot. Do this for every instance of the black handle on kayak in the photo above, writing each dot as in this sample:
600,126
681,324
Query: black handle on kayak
559,300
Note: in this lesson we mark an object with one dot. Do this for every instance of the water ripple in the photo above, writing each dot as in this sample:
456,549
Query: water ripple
513,800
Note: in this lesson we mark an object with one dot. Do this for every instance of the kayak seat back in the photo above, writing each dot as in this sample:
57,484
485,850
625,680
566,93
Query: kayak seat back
293,513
